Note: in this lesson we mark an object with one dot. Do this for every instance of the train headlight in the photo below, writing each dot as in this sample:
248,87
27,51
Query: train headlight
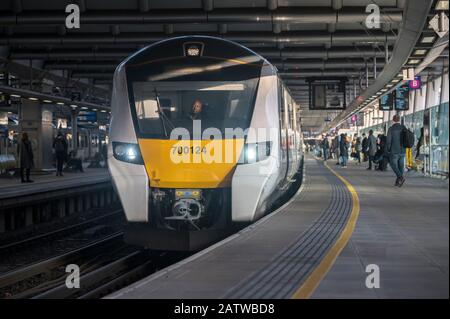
255,152
127,152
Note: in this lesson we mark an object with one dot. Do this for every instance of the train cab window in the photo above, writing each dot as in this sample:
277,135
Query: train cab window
215,104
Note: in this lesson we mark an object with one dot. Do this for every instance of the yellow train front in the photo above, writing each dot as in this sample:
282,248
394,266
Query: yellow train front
203,136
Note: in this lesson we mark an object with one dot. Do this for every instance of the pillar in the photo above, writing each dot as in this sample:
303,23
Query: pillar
74,130
36,120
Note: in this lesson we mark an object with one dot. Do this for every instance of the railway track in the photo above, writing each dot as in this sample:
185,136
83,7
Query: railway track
105,266
55,234
25,278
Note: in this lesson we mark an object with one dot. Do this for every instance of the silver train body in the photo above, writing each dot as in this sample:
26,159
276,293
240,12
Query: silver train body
183,206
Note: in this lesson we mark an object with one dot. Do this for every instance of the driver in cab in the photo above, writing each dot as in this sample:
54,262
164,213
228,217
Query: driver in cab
197,112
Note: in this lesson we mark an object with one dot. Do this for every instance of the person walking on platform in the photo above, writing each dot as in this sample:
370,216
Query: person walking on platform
358,149
396,149
26,158
381,155
364,143
343,149
335,148
60,146
371,148
325,147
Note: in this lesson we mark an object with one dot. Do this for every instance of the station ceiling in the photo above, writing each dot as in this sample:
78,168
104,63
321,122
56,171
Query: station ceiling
303,38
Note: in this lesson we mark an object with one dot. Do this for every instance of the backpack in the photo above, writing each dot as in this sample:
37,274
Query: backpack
407,138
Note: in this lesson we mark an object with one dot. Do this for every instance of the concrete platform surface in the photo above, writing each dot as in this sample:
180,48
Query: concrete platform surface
404,232
12,187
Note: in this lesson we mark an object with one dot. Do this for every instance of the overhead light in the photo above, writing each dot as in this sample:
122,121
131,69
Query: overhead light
441,5
384,90
60,103
389,85
413,61
420,52
103,111
32,98
395,80
428,39
47,101
74,106
94,110
379,93
15,95
84,108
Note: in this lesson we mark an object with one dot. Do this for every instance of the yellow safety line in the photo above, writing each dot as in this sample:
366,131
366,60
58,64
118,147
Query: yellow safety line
314,279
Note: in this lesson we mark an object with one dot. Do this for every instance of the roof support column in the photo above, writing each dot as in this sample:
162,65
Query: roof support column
367,74
375,67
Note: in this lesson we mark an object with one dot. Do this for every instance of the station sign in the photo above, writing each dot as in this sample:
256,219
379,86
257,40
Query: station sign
327,93
416,83
402,97
87,116
386,102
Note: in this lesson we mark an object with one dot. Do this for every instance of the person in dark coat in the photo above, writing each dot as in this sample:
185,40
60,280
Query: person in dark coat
60,146
396,150
381,157
371,148
26,159
343,149
365,144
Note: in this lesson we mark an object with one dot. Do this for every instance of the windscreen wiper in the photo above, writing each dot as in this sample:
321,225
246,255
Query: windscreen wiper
163,117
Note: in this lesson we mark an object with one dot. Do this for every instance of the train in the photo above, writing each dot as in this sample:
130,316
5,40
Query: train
204,137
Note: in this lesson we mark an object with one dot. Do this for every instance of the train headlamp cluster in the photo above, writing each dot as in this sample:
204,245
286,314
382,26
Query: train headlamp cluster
127,152
255,152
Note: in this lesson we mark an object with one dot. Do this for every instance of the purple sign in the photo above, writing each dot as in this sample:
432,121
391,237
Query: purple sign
416,83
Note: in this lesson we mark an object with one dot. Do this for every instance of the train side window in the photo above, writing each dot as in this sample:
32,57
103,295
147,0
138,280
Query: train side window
147,109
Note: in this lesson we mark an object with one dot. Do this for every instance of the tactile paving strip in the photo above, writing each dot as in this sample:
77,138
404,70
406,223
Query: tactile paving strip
288,270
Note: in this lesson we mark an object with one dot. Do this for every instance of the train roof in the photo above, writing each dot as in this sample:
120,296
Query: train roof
207,46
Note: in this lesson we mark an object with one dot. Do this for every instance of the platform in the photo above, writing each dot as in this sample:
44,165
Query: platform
311,248
12,187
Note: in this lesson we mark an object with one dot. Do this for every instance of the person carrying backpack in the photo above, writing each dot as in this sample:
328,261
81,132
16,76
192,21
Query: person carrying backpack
398,139
60,146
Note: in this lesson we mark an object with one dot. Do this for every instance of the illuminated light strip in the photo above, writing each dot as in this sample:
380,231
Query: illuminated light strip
314,279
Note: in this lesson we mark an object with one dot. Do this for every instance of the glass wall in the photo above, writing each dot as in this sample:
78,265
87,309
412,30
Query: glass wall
439,139
428,116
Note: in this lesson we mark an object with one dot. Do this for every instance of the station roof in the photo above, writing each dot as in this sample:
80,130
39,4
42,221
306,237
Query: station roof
302,38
